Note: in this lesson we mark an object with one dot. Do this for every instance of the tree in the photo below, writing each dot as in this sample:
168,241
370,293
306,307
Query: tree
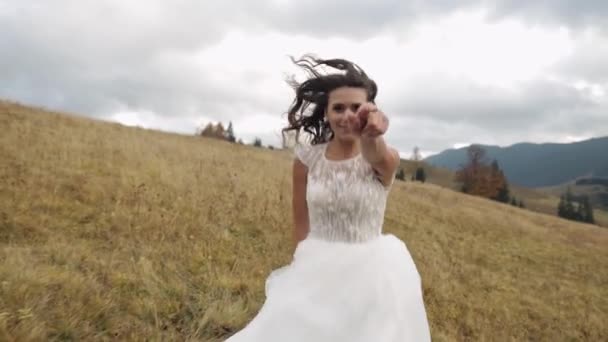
420,174
257,142
470,174
587,211
218,132
580,212
561,207
569,208
208,130
230,133
481,179
521,204
514,201
499,187
576,209
503,193
476,155
416,156
400,175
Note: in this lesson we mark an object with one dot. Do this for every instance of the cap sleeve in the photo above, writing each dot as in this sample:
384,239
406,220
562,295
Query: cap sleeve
304,153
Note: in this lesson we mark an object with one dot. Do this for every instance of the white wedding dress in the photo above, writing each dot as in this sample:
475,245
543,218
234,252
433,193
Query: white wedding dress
348,281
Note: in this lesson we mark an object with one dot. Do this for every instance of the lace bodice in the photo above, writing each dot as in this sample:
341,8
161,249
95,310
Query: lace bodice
346,201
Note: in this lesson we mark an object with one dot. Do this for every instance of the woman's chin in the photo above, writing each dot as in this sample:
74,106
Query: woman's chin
347,136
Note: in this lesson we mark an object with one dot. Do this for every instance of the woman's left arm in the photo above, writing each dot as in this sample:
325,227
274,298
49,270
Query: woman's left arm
383,159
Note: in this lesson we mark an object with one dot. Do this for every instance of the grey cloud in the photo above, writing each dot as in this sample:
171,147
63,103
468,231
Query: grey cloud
588,61
459,100
439,111
574,14
354,19
96,58
362,20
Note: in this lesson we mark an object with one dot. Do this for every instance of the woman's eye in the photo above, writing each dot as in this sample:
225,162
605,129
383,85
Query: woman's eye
339,108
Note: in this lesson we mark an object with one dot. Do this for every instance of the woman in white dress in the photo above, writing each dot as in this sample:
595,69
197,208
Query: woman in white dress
348,281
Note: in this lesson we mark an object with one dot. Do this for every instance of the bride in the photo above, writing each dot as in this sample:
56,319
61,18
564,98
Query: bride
348,281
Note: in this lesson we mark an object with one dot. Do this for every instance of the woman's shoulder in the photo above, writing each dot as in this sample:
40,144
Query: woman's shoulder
308,153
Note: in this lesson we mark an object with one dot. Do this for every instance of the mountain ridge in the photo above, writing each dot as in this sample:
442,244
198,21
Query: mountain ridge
538,164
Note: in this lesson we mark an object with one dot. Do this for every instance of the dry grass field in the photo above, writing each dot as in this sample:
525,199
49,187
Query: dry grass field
116,233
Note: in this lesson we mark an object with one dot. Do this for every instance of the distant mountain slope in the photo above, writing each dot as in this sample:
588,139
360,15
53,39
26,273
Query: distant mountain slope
539,165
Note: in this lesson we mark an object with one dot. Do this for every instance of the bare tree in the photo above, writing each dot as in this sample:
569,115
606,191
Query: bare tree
416,156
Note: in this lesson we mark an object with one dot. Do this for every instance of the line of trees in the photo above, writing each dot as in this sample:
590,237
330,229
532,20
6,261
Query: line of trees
575,208
217,131
419,175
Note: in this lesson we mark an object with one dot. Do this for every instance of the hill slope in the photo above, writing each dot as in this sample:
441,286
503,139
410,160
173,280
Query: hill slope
109,232
539,165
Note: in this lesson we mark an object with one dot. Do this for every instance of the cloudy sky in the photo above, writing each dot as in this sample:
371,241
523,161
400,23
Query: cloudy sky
492,72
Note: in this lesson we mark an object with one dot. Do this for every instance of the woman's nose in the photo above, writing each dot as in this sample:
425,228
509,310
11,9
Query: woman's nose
350,116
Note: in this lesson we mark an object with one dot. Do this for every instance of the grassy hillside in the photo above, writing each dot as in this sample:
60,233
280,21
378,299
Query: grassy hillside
109,232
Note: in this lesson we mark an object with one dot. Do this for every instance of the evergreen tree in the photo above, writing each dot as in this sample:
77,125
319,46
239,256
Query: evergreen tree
230,133
400,175
576,209
521,204
503,193
257,142
513,201
420,174
587,211
561,207
579,214
569,208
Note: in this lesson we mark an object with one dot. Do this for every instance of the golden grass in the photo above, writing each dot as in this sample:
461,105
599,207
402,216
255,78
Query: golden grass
109,232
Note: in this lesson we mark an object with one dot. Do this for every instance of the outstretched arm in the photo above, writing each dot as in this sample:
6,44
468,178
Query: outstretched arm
374,149
384,160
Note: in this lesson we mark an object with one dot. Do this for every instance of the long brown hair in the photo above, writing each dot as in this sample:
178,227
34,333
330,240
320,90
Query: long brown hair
315,91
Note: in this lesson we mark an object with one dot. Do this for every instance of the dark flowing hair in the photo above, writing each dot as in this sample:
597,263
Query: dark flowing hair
315,91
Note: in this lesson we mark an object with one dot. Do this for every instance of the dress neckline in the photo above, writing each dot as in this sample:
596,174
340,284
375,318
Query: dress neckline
324,151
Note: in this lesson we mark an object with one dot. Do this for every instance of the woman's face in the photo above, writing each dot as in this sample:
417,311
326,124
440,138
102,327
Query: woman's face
341,111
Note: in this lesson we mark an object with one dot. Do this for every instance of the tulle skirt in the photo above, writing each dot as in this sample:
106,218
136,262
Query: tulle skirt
335,291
